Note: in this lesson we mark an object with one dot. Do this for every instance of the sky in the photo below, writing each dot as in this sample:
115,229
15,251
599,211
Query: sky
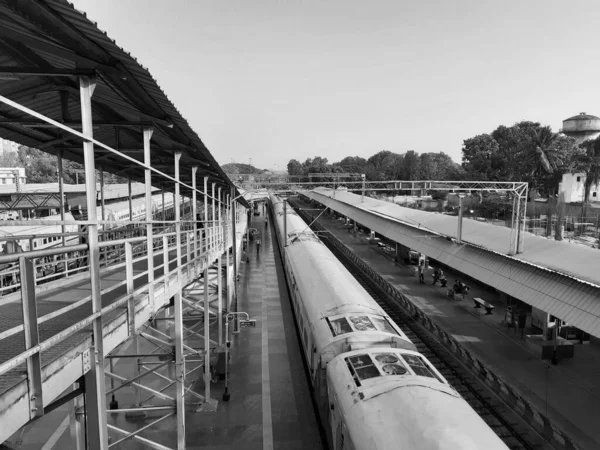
275,80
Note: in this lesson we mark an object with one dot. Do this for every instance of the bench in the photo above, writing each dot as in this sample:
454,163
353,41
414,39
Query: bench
480,302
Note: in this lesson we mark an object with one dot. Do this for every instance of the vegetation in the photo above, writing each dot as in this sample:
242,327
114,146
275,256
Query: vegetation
526,151
41,167
384,165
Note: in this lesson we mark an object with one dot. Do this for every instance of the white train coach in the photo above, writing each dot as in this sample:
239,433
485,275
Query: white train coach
373,390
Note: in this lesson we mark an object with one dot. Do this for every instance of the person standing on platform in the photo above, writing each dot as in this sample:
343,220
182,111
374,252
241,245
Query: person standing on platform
257,246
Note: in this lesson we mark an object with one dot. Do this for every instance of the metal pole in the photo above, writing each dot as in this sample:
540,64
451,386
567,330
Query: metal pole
195,213
234,234
130,199
61,195
206,337
206,214
101,169
213,217
460,218
226,394
362,198
95,390
147,132
164,210
220,269
285,236
227,270
219,211
179,359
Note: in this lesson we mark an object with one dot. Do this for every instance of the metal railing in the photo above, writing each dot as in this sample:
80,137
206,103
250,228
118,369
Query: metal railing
164,244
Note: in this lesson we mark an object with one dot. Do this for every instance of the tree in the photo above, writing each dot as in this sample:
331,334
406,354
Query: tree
480,157
294,167
588,162
410,166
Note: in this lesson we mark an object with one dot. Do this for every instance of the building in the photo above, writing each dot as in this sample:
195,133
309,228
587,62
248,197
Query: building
8,147
12,175
582,127
573,187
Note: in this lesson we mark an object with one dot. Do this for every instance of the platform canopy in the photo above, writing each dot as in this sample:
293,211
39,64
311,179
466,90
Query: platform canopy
45,46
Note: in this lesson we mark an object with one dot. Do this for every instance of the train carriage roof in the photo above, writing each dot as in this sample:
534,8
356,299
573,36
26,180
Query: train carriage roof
400,409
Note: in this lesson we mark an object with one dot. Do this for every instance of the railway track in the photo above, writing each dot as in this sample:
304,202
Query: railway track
510,428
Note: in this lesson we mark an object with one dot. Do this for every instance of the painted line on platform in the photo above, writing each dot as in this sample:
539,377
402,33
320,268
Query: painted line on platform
266,383
51,442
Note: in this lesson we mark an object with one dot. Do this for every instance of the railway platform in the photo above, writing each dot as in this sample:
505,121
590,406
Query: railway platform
270,405
567,393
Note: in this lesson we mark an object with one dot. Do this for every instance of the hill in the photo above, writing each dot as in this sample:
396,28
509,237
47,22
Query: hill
240,168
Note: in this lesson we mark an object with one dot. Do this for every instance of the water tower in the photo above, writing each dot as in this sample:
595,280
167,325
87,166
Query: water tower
582,127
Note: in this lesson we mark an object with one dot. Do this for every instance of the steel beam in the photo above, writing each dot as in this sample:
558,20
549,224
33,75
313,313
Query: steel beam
206,334
30,323
94,379
206,229
195,213
61,193
129,197
234,234
179,359
147,135
213,221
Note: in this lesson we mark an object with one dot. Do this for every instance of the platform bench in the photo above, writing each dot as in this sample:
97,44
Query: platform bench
480,302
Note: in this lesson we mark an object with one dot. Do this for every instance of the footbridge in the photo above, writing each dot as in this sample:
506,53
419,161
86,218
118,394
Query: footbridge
154,301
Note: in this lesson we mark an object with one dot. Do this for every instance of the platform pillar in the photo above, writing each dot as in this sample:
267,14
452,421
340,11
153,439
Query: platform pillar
235,270
147,133
178,316
219,213
95,389
213,223
61,199
194,215
76,426
206,229
129,197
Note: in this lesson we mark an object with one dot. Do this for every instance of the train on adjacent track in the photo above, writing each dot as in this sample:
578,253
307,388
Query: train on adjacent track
372,388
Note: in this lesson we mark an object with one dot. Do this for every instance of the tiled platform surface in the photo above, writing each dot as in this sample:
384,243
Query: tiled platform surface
568,393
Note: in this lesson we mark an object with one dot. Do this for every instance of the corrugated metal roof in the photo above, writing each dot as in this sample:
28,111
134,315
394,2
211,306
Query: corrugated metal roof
52,34
566,294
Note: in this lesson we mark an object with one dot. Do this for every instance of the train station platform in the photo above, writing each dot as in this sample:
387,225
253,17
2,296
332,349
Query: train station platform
270,405
567,393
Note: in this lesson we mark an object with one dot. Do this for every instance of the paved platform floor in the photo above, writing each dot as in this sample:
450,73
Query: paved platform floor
270,406
568,393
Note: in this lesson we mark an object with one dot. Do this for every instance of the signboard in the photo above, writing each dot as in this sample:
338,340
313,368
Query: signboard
247,323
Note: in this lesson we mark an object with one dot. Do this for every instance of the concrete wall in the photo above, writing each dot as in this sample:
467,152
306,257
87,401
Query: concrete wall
573,186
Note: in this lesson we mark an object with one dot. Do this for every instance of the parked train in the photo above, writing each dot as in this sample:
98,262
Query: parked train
372,388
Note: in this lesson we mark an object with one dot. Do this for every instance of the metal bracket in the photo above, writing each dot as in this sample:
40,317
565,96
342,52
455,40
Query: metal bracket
87,361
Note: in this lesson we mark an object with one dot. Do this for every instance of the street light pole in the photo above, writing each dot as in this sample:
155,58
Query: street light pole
460,218
362,198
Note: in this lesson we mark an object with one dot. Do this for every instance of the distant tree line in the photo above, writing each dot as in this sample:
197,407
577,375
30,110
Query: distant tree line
42,167
384,165
525,151
530,152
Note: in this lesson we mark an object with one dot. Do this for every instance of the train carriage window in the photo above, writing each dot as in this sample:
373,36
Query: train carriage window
383,324
339,326
419,366
390,364
363,366
362,323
